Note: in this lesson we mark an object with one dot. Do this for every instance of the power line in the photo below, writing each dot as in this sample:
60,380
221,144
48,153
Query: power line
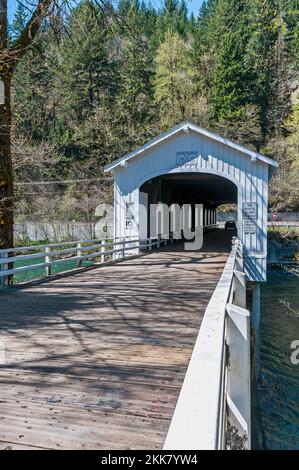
28,183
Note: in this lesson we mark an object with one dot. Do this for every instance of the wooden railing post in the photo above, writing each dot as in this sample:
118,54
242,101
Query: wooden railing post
48,260
123,247
102,250
79,253
239,289
4,267
238,395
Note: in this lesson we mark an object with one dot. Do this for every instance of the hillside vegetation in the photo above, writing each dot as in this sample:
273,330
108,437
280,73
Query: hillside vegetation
97,85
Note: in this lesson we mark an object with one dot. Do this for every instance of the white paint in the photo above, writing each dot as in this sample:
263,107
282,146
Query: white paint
203,152
186,127
2,92
97,248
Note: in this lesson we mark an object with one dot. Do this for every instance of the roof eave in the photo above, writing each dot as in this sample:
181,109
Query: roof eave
188,125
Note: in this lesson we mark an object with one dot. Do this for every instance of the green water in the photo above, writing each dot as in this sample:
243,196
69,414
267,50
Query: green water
279,393
38,273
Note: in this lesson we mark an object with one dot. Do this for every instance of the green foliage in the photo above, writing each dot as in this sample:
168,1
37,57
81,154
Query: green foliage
230,87
283,233
174,86
96,85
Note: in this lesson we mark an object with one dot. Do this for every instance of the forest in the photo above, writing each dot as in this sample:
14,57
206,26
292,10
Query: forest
102,81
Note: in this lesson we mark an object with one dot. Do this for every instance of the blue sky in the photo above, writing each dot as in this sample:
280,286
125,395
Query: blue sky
193,5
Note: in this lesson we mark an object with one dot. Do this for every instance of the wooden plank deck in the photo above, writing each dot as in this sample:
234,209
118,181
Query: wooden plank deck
96,359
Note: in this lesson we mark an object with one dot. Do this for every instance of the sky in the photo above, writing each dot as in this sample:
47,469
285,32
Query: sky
193,5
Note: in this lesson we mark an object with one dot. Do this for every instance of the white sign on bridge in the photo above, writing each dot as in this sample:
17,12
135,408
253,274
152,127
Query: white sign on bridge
250,210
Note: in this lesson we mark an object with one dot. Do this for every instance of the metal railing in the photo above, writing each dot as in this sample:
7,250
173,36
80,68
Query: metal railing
213,409
78,251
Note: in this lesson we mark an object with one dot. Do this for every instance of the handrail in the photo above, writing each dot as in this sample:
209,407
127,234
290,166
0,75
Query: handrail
55,245
77,248
97,248
208,410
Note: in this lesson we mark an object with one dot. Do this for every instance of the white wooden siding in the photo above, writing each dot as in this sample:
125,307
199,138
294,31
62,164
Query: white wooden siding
250,177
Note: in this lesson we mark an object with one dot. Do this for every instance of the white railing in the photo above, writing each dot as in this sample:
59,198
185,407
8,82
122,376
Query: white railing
58,253
55,253
213,409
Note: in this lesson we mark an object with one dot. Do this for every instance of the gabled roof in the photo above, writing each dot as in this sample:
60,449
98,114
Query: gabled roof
185,127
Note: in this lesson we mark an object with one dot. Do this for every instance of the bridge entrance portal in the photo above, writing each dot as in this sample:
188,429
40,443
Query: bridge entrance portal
183,190
192,165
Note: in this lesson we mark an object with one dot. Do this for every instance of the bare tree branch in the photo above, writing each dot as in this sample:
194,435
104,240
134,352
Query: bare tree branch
25,40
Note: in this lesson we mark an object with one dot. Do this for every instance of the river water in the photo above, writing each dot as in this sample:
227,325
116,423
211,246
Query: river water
279,390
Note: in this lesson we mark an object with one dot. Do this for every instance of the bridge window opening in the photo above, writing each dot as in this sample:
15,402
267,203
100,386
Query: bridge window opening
210,190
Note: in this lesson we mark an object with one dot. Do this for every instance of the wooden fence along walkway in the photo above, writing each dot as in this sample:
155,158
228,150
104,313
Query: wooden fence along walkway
97,359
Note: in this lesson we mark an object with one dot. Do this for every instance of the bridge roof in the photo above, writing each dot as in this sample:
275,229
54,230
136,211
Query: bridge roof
185,127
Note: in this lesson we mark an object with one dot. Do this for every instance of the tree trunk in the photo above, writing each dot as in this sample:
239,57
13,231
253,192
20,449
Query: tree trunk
9,58
6,174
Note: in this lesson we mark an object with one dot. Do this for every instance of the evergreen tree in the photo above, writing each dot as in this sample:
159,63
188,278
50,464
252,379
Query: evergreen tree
135,97
19,20
230,88
174,81
173,19
103,86
85,74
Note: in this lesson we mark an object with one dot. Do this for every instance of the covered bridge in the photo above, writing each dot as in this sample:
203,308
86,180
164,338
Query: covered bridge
190,165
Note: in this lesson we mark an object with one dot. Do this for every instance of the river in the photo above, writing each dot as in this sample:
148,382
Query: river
279,390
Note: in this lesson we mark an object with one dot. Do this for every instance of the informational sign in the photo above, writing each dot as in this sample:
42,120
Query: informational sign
249,226
129,214
250,210
184,157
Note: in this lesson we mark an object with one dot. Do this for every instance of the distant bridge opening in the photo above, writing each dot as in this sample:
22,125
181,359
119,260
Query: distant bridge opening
188,188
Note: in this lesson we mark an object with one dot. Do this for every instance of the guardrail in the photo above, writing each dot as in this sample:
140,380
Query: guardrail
214,407
57,253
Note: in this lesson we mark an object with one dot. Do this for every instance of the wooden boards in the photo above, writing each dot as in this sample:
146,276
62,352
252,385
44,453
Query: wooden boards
96,360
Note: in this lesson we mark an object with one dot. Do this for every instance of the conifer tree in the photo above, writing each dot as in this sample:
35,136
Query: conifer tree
174,86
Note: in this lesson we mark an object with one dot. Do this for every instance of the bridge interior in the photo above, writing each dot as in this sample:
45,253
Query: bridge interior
96,359
189,188
193,188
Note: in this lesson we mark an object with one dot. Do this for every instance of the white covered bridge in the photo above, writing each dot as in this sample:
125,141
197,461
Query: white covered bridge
151,349
189,164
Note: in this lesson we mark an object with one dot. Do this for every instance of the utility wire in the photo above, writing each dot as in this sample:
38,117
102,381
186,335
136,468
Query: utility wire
28,183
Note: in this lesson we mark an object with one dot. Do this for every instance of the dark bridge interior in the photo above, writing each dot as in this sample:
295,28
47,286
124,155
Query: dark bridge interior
190,188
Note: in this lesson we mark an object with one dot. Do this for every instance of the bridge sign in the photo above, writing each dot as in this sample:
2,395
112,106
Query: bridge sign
249,226
250,210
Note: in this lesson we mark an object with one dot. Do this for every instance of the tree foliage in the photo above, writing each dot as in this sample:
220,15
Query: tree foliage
107,83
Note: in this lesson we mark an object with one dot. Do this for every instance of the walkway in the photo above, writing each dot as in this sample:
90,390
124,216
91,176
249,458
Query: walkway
96,359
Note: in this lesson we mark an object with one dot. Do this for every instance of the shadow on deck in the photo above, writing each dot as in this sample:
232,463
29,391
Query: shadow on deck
96,359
